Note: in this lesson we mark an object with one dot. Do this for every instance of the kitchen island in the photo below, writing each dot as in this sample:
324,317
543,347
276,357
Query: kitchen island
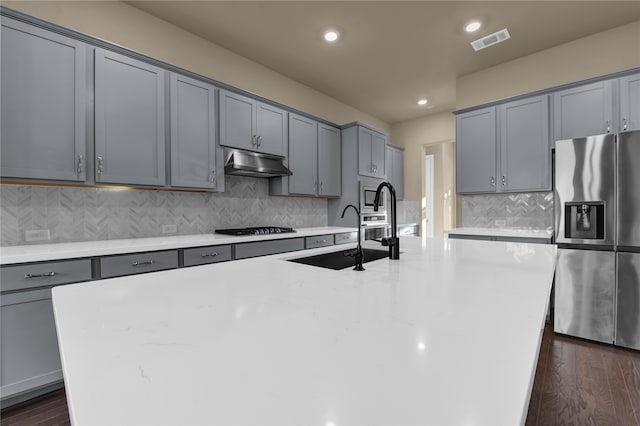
449,334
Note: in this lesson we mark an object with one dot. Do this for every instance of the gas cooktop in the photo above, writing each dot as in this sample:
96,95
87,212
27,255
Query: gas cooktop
255,231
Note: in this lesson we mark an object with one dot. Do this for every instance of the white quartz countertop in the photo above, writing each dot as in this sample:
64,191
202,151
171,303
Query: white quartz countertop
448,334
43,252
503,232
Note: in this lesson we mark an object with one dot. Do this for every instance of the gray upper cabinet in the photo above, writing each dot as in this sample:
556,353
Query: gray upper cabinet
630,102
43,104
314,158
129,121
329,161
371,153
584,111
476,151
193,127
246,123
525,152
303,156
395,169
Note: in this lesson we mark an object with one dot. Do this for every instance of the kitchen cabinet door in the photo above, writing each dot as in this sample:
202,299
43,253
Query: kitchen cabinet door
303,158
395,170
525,154
43,82
329,164
476,151
238,121
129,120
271,129
371,153
193,127
584,111
630,103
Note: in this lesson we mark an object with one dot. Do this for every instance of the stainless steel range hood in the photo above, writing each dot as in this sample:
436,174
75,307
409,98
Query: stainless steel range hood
254,164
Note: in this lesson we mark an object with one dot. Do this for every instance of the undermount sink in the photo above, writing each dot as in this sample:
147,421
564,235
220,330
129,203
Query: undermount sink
341,259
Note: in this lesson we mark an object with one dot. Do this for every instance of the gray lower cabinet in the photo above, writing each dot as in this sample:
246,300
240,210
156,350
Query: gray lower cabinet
346,237
249,124
630,103
584,111
395,169
193,133
502,238
476,151
318,241
43,80
204,255
263,248
129,121
29,355
371,152
138,263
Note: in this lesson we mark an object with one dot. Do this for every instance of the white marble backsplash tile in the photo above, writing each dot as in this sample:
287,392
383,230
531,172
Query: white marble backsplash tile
521,210
90,214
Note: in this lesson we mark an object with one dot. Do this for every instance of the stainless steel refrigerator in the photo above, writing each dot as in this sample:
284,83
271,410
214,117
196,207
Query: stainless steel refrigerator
597,228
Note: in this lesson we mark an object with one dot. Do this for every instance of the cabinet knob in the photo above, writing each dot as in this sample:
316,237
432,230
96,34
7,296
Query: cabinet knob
624,123
100,165
493,181
80,167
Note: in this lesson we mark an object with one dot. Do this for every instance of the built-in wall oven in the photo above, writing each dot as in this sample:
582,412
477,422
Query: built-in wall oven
375,224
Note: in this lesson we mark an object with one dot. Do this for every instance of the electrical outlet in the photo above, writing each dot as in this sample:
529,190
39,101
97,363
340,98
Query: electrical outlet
500,223
37,235
169,229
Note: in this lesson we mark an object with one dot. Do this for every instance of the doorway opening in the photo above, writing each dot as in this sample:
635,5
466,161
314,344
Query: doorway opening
428,196
438,188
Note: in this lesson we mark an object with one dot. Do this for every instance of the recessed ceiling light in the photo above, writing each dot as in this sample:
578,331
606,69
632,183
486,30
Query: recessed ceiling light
472,27
331,35
422,102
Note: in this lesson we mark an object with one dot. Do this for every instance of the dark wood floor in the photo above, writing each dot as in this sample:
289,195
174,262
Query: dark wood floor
577,383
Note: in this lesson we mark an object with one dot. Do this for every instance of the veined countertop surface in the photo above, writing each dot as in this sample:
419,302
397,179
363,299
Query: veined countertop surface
448,334
53,251
503,232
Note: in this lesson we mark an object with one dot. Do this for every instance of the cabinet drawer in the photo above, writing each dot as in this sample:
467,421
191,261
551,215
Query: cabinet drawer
202,255
347,237
25,276
319,241
263,248
129,264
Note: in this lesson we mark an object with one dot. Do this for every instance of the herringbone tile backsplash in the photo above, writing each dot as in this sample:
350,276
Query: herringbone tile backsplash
89,214
522,210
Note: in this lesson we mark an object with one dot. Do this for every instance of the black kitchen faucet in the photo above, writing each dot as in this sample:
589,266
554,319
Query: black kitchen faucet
393,242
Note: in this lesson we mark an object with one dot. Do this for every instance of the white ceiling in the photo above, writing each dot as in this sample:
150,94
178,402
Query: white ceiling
391,53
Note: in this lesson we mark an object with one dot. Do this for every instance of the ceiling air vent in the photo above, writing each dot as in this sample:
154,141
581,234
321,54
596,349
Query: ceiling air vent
490,40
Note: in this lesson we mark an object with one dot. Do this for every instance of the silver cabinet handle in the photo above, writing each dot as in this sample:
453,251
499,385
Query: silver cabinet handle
100,165
493,181
315,185
608,126
80,167
321,187
259,141
320,241
45,274
253,140
624,123
374,168
504,180
213,175
212,254
142,263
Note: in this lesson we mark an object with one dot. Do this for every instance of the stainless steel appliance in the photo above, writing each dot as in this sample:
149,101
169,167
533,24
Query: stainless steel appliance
367,195
597,228
254,231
